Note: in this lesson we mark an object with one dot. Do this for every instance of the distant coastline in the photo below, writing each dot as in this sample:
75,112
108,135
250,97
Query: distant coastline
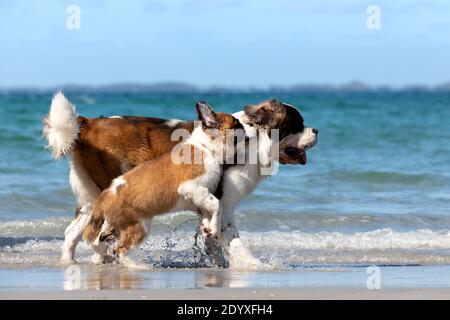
181,87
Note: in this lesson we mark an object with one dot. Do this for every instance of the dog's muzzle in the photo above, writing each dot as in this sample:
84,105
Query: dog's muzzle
295,155
293,148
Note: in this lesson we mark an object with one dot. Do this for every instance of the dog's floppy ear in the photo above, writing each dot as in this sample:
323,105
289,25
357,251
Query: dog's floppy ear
264,114
256,114
206,115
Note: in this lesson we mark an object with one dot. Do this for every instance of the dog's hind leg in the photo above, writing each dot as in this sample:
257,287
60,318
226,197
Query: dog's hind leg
86,192
73,233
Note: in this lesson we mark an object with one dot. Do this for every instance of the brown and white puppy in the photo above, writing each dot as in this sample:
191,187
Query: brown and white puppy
163,185
102,149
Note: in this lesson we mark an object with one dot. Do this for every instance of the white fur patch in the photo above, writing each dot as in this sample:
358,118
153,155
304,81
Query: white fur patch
304,140
172,122
115,117
250,132
116,183
84,188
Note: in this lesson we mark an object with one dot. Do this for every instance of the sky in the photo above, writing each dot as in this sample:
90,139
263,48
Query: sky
235,43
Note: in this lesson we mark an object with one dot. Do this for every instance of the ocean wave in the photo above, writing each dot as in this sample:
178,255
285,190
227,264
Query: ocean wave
314,222
53,226
256,222
377,239
87,100
279,249
386,177
278,240
18,139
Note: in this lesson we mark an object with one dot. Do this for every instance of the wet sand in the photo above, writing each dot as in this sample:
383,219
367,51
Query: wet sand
236,294
85,281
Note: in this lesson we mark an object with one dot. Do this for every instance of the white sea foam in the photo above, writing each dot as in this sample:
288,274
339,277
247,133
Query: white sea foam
281,249
377,239
52,226
182,227
277,240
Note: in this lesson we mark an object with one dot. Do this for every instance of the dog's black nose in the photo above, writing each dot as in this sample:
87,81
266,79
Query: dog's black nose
315,131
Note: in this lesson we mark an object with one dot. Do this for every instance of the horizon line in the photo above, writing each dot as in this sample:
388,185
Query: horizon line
355,85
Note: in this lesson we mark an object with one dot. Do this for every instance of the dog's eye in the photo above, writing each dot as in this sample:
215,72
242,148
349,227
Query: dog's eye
250,124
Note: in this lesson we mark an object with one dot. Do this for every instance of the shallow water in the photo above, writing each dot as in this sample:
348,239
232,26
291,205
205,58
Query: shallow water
88,277
376,189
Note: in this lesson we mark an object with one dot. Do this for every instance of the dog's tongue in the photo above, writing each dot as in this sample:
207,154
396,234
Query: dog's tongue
303,158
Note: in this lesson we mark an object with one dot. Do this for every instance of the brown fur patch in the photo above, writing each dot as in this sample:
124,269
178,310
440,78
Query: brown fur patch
109,147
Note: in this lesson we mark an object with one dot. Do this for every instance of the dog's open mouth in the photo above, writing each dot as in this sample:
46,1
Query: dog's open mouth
294,155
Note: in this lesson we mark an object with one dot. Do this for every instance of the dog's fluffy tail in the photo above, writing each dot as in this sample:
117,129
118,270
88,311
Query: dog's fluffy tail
61,126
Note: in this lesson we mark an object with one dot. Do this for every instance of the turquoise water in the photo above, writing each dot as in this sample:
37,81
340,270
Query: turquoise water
376,187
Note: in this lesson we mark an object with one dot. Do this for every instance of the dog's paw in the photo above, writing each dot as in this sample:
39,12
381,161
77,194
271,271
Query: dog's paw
108,258
133,265
97,259
67,261
205,231
214,231
241,258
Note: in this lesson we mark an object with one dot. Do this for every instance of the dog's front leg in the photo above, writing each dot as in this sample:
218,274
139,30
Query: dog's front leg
229,231
207,203
239,256
204,220
100,246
